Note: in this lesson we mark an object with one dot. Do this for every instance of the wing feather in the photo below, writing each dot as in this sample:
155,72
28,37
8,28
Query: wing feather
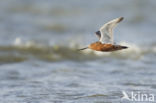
107,31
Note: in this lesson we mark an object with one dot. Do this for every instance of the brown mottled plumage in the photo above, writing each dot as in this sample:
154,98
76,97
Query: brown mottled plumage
98,46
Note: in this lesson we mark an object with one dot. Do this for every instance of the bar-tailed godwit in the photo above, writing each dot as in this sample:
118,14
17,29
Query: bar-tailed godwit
105,35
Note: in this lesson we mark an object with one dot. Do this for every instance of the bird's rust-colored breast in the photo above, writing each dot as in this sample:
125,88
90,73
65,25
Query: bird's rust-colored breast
98,46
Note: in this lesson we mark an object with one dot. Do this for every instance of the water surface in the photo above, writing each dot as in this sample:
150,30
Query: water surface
39,62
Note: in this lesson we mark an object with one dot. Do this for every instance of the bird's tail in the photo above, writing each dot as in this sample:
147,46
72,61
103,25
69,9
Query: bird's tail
124,47
83,48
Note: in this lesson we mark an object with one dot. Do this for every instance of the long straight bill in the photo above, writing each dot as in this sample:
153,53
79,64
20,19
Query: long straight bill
83,48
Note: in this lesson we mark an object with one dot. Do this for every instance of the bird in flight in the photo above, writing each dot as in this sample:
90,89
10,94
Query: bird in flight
105,35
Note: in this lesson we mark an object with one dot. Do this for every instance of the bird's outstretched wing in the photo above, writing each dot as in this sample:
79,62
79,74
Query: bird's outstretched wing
105,33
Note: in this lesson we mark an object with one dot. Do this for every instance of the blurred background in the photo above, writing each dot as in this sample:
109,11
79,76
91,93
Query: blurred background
39,61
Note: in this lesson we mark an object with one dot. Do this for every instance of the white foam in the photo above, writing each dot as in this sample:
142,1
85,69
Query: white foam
133,51
154,49
132,48
18,41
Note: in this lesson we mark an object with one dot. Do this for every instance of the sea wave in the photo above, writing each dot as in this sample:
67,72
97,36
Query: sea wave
30,50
